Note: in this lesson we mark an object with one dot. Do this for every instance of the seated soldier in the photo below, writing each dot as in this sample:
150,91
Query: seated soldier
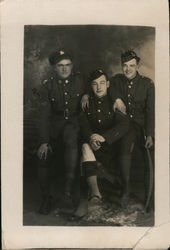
100,127
59,123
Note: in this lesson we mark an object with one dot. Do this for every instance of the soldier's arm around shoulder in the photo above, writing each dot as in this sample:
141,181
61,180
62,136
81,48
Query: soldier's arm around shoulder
85,95
80,82
115,93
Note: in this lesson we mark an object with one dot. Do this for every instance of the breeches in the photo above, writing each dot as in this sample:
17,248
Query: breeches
69,138
122,149
124,146
135,134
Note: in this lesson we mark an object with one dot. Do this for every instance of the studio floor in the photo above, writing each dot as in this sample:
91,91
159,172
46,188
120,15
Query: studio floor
109,213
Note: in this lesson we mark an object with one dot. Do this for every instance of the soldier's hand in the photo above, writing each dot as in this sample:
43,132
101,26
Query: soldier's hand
85,102
97,137
43,150
95,145
95,141
149,142
101,139
119,105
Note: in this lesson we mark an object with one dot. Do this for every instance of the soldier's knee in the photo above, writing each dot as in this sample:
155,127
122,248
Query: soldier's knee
87,153
70,138
71,141
85,147
127,148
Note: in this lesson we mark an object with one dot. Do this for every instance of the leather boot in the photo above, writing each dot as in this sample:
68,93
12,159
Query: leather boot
67,204
125,170
45,207
82,208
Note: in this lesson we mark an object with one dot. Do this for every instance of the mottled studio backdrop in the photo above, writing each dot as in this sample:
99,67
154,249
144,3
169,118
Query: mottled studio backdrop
92,46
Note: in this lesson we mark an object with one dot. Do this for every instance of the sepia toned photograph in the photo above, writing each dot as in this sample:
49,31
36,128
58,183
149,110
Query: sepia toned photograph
89,104
85,124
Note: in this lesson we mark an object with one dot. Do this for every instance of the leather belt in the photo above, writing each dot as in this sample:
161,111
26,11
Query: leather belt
65,113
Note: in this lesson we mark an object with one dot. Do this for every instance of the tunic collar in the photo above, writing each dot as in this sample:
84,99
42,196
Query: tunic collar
102,99
63,81
134,80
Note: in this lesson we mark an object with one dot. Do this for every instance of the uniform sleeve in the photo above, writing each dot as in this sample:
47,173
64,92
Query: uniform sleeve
114,90
81,87
119,129
44,116
87,91
85,129
80,83
150,110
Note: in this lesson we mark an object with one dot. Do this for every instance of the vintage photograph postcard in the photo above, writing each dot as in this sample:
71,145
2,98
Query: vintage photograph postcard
85,124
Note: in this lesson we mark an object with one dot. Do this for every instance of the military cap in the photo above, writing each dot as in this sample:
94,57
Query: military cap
129,55
96,74
57,56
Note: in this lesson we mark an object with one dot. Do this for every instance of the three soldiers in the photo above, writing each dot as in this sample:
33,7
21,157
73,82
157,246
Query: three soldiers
100,125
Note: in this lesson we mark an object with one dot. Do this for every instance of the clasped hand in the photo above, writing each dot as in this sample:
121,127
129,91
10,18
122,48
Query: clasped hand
95,141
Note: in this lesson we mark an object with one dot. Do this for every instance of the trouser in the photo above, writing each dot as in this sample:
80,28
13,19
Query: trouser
69,137
134,135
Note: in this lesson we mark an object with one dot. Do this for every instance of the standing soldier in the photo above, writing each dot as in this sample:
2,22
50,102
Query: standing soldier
59,119
137,93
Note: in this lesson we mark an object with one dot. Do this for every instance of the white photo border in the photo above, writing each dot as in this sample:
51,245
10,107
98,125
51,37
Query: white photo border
14,15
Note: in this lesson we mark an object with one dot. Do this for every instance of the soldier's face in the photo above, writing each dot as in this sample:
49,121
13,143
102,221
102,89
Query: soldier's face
130,68
100,86
64,68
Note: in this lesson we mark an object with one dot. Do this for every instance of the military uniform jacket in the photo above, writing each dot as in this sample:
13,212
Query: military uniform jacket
101,119
139,98
60,105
